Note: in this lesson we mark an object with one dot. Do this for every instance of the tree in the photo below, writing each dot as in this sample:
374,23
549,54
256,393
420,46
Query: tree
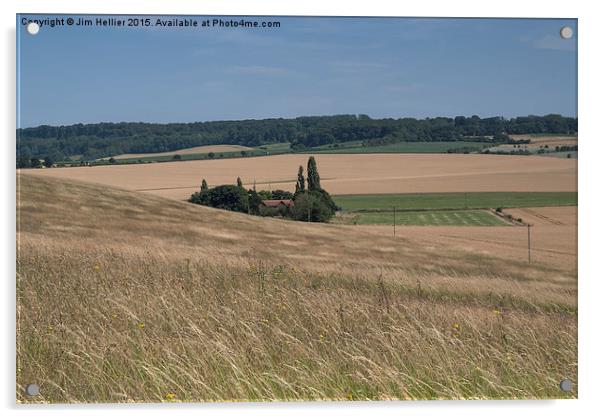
254,202
177,157
23,162
310,207
211,155
111,160
282,195
239,182
227,197
204,186
300,186
48,162
313,177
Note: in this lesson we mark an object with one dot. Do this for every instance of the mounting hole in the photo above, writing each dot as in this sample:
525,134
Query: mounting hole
566,385
566,32
32,389
33,28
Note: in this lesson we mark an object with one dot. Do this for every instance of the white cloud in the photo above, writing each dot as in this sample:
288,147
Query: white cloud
554,42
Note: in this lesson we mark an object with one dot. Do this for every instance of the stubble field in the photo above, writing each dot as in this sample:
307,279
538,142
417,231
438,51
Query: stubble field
341,174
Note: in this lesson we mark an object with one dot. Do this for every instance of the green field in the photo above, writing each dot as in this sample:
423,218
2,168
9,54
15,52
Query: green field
433,218
197,156
399,147
277,148
478,200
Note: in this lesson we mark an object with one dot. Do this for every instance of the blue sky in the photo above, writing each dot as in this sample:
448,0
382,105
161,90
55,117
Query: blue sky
383,67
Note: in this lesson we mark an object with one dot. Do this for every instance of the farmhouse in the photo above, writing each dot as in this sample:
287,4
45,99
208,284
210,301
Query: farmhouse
276,203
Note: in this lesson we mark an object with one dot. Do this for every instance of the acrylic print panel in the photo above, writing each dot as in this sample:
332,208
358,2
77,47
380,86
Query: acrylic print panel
273,208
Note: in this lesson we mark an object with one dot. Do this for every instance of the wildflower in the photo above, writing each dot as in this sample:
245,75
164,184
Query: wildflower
141,325
97,267
170,396
456,326
497,312
50,328
322,337
350,395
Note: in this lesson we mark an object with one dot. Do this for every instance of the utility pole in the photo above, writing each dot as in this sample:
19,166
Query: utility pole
529,240
394,210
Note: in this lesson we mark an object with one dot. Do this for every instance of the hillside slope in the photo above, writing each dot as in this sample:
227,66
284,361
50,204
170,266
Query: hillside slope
131,297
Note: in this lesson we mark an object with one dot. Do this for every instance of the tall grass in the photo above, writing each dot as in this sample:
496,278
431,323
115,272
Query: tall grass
178,303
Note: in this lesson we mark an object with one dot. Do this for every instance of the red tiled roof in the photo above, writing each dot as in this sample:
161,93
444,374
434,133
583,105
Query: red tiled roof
274,203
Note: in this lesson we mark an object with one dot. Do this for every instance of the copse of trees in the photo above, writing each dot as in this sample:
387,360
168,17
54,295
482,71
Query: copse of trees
100,140
311,204
227,197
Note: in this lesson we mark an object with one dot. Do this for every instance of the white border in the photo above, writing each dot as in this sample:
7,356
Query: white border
589,201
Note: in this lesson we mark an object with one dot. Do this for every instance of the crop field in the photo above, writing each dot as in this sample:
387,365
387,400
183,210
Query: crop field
341,174
186,151
277,148
434,218
479,200
400,147
173,302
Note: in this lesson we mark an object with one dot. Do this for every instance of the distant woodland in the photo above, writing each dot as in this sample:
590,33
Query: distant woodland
92,141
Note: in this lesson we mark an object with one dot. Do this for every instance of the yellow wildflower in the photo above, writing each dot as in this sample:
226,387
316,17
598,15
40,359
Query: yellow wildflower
141,325
170,396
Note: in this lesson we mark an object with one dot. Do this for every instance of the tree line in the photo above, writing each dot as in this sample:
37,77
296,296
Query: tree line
310,202
99,140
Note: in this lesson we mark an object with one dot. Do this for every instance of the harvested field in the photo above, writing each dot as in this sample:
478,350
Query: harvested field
194,150
341,173
565,216
442,217
541,141
553,237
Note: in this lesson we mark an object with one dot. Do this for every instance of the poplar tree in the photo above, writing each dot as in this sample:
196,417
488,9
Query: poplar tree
239,182
204,186
300,186
313,178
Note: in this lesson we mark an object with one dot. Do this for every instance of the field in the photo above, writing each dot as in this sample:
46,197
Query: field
169,302
541,141
400,147
433,201
435,218
186,151
553,237
342,174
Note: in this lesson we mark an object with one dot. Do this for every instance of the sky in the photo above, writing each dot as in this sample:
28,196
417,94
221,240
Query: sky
382,67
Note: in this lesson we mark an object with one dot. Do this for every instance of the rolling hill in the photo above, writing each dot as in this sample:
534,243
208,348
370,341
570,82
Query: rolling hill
124,297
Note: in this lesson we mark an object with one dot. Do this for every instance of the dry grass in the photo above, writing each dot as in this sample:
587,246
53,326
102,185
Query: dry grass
127,297
342,174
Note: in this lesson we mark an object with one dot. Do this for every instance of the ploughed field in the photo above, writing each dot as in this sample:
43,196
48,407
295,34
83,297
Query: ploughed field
134,297
341,174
